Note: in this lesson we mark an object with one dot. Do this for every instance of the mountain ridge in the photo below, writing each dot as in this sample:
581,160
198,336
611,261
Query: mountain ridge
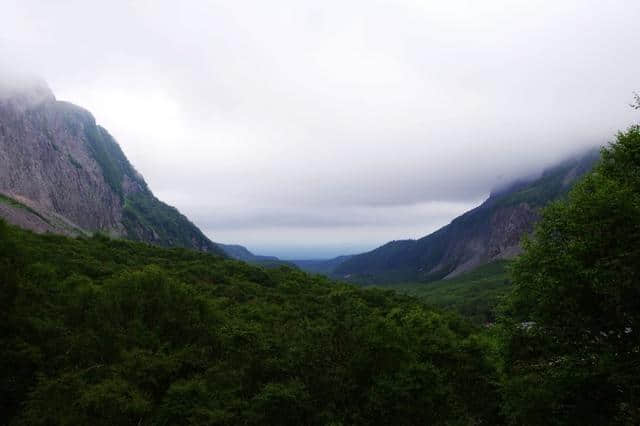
486,233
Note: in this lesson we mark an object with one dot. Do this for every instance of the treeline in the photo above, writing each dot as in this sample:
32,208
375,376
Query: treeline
100,331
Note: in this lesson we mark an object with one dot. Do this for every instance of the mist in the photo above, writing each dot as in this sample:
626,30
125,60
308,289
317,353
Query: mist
304,129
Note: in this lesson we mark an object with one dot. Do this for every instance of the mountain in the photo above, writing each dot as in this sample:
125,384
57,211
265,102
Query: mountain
61,172
490,232
321,266
239,252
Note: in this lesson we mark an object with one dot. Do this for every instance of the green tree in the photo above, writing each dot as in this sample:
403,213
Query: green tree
100,331
636,101
571,343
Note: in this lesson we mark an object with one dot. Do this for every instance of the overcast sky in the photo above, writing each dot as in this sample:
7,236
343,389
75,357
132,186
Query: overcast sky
316,128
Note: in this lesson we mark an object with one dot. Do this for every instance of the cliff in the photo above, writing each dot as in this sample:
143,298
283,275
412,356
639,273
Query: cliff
61,172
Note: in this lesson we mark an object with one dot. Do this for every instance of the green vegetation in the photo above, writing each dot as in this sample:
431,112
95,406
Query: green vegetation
146,218
552,185
474,295
548,187
107,153
100,331
571,330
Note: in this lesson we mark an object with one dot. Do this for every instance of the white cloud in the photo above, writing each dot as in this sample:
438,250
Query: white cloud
321,111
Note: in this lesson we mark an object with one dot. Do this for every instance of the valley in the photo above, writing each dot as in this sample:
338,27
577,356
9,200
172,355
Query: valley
118,309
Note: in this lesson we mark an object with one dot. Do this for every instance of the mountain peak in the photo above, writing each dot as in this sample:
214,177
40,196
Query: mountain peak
25,91
61,172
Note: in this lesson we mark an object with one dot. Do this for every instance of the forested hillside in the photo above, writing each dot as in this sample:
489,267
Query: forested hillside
101,331
475,295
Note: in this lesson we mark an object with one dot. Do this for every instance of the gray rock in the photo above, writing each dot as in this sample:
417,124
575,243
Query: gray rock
55,160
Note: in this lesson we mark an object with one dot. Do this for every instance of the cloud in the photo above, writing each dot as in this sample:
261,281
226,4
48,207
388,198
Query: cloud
289,123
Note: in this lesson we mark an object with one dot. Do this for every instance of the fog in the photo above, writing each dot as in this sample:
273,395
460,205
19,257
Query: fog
312,129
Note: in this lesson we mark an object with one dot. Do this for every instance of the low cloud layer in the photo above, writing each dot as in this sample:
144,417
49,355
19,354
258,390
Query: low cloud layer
306,129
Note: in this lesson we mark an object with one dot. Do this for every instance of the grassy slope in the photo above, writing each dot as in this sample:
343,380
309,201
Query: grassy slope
474,295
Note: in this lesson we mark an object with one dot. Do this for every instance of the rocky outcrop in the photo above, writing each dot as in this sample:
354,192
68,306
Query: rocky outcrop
61,172
46,158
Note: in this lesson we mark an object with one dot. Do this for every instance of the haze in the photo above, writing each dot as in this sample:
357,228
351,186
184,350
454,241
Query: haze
312,129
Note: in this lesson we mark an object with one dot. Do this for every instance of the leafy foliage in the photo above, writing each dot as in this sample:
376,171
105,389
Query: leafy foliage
572,329
636,101
101,331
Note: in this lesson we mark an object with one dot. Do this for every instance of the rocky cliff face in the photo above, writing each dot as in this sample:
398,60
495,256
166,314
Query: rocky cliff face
61,172
489,232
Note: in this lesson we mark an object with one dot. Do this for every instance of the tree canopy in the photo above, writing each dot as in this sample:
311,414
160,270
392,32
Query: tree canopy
100,331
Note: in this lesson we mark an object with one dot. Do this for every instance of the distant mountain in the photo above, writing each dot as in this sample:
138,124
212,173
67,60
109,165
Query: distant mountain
239,252
487,233
322,266
61,172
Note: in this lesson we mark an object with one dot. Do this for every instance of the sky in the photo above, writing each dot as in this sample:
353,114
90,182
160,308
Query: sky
309,129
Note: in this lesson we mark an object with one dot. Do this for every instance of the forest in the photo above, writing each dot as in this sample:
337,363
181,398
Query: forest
105,331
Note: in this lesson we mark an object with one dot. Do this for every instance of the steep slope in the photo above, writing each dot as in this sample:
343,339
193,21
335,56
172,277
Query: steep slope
489,232
61,172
